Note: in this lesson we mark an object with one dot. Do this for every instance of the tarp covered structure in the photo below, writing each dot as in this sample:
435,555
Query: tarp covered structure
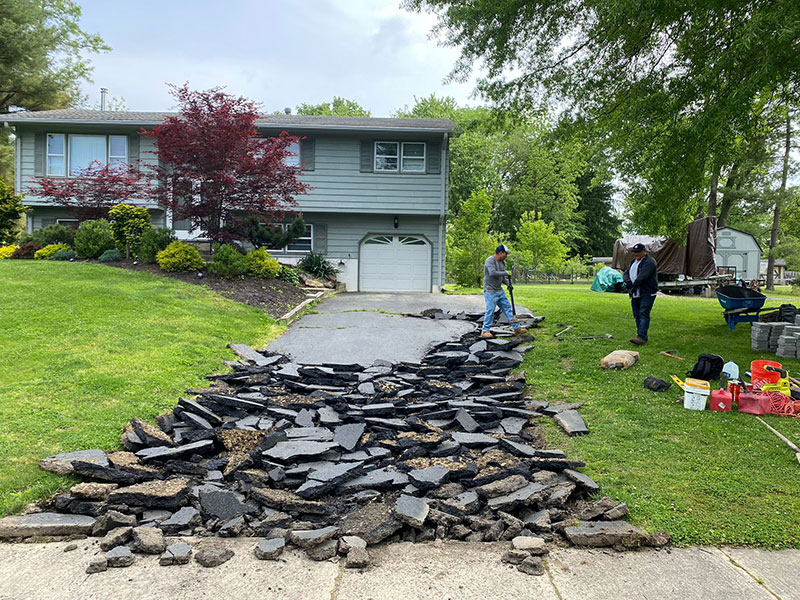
607,280
694,258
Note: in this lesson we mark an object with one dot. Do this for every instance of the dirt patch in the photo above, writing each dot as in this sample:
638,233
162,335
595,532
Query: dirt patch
566,363
273,296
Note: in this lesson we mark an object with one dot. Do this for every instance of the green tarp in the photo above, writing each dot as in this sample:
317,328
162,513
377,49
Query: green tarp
606,280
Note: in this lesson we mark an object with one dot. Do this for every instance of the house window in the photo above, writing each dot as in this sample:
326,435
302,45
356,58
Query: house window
69,222
84,150
413,160
386,156
56,154
394,157
304,243
293,160
117,149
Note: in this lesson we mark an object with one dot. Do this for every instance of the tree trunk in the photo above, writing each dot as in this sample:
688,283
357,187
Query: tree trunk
727,197
712,194
776,217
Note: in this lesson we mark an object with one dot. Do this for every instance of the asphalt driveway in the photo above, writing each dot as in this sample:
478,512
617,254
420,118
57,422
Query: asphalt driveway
361,328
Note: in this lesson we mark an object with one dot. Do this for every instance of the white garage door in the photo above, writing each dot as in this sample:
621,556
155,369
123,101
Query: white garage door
395,263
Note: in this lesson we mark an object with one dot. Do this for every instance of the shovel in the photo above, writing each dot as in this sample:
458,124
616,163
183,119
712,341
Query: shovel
511,293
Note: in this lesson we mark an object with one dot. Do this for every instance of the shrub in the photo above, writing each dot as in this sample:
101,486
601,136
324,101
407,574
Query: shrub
7,251
52,234
318,266
261,264
180,256
64,255
48,251
128,224
26,250
228,262
289,274
154,241
11,213
112,255
93,238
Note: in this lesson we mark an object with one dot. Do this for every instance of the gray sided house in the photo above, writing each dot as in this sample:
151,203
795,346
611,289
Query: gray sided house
377,207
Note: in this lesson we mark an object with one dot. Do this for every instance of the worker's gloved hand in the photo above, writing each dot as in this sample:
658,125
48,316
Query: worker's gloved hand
510,287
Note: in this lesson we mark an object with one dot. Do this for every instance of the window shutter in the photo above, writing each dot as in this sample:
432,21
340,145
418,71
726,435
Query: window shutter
434,157
367,156
308,149
320,242
133,149
39,154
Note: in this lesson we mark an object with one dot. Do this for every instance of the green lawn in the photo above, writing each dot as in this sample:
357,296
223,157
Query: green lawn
87,347
705,477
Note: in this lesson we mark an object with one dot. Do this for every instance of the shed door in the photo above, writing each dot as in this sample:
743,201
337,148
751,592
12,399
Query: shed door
395,263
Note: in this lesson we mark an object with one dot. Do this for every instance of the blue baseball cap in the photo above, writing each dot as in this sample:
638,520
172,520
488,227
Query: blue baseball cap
502,248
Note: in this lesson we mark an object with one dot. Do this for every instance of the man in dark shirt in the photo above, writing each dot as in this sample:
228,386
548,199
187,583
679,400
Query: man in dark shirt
494,274
641,277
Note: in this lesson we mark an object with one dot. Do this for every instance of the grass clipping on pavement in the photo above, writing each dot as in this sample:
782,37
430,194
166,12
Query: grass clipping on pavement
707,478
86,347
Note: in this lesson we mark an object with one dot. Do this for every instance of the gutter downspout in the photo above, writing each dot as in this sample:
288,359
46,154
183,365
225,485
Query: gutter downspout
443,211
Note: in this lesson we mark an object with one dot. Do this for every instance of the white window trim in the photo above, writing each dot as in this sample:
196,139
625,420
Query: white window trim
67,137
294,157
375,157
424,157
66,221
47,155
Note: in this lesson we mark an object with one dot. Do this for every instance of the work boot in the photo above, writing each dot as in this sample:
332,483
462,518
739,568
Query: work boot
487,335
520,331
638,341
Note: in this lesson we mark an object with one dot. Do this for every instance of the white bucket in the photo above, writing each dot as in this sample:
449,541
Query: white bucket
695,394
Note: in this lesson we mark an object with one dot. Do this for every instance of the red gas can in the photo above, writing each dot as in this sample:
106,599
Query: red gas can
754,403
720,400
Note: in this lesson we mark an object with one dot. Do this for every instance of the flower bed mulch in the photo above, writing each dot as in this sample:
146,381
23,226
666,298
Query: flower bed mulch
274,296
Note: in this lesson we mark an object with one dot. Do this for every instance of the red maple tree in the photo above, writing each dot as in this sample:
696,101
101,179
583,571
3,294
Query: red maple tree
93,191
214,169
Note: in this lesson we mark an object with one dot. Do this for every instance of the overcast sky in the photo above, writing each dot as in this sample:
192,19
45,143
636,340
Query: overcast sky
277,53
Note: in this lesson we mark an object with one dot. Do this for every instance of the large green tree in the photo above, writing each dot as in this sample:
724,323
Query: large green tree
668,87
600,224
42,60
339,107
468,240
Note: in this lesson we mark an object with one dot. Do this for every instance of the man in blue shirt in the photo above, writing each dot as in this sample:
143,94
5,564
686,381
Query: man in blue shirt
641,277
494,274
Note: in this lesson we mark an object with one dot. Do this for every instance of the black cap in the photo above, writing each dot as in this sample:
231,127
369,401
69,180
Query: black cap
638,248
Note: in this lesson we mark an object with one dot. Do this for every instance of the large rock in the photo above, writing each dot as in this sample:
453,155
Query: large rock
604,533
223,504
432,477
186,518
582,480
148,540
294,450
373,523
286,501
150,435
179,553
269,549
120,556
45,524
169,494
525,496
347,436
62,463
213,554
412,511
502,487
91,490
116,537
312,537
167,453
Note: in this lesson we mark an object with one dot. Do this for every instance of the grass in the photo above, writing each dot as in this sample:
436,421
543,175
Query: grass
704,477
784,291
86,347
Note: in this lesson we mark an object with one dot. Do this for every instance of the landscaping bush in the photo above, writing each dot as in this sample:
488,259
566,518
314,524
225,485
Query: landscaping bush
228,262
48,251
289,274
64,255
180,256
261,264
93,238
153,241
112,255
318,266
26,250
7,251
128,224
52,234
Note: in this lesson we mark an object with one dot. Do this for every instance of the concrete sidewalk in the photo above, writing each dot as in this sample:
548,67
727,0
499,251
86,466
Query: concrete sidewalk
459,571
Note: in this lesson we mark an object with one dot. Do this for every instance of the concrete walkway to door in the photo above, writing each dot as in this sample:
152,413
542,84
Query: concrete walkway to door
360,328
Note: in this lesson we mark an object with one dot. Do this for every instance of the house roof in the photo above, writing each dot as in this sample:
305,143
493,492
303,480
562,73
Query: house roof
743,233
79,115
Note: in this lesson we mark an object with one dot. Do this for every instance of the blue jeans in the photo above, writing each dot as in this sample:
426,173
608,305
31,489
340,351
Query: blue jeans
641,313
497,299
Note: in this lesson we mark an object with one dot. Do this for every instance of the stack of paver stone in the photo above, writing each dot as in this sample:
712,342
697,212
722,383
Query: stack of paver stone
759,336
787,342
333,458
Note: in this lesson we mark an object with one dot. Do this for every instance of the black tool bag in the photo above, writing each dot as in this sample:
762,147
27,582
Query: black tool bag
707,367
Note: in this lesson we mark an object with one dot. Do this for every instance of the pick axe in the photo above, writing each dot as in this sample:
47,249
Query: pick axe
510,287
